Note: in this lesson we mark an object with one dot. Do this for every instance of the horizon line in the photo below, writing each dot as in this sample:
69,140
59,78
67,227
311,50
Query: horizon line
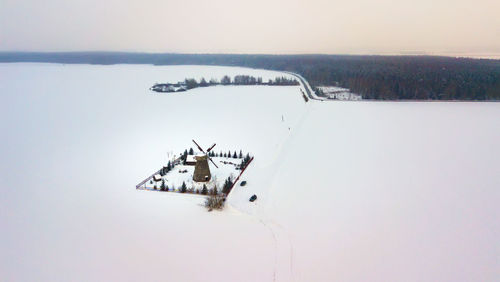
450,54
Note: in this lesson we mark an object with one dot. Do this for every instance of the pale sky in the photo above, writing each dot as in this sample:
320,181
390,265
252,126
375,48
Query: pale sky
259,26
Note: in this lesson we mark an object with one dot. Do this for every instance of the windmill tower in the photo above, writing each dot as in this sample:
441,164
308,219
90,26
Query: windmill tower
201,169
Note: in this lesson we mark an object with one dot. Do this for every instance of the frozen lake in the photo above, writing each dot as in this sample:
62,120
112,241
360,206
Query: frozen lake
348,191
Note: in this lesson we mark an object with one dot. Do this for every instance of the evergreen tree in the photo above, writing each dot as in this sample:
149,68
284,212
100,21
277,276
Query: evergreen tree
191,151
228,184
240,155
204,191
203,82
162,187
224,187
245,161
191,83
235,155
184,157
225,80
183,187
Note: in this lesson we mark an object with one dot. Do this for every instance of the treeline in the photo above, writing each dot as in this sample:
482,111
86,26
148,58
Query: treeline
375,77
191,83
245,159
184,189
250,80
422,78
240,80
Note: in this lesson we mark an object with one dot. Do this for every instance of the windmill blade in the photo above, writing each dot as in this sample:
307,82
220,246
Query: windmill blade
210,149
213,162
198,146
207,151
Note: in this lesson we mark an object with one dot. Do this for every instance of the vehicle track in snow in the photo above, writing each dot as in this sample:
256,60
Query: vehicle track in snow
283,260
283,245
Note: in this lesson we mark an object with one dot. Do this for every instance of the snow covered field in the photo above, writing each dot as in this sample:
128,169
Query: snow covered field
348,191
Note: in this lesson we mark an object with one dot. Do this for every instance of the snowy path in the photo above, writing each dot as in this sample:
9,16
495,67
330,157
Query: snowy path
283,270
307,87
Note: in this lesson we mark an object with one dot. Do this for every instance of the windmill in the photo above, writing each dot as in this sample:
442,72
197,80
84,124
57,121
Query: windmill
201,169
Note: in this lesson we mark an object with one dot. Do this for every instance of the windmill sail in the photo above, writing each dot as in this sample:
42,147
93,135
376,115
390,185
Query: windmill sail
201,169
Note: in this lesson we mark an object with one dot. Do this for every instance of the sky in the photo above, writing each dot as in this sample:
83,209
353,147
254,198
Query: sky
258,26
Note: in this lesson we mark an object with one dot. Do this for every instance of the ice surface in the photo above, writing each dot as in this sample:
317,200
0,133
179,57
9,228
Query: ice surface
347,191
76,139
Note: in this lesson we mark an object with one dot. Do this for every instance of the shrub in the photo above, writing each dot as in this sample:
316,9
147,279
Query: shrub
215,202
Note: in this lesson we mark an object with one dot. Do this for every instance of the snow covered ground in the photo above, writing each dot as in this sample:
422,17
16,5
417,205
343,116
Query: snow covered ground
347,191
184,174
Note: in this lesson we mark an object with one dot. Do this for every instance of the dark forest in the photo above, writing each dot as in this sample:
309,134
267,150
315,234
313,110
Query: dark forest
375,77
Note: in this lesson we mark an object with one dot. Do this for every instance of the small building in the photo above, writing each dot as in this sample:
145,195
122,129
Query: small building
157,177
191,160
